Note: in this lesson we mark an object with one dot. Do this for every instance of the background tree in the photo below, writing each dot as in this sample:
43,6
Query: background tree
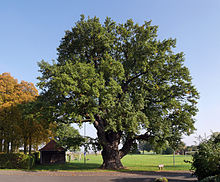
181,148
12,94
8,98
68,137
145,145
134,149
168,150
19,121
123,80
33,128
191,149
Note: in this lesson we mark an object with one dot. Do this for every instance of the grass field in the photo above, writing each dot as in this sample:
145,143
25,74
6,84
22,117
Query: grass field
151,162
131,162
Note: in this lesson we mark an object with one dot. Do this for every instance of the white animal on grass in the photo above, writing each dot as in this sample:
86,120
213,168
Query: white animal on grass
161,166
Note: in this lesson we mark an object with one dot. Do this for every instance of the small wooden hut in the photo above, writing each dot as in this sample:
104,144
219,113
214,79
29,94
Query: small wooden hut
52,153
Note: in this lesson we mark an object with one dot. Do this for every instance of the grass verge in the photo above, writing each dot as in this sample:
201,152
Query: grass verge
131,162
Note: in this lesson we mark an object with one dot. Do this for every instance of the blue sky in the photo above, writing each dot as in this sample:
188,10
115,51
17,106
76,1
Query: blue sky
31,31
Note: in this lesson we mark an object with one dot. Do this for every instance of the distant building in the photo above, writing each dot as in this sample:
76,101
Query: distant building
52,153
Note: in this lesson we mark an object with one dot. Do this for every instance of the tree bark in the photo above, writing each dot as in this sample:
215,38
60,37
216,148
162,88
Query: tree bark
109,141
111,158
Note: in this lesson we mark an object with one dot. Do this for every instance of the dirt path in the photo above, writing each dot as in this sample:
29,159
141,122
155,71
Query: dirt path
179,176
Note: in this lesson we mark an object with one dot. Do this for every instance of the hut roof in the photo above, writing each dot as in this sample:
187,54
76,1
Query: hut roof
52,146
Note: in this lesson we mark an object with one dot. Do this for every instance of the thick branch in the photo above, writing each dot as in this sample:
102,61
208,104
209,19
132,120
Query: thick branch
129,142
145,136
125,86
126,147
98,124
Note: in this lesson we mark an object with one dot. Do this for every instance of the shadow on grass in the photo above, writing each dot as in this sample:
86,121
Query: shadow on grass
68,167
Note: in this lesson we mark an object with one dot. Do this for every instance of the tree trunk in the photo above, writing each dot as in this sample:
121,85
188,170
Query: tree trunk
25,146
12,147
4,146
30,145
1,148
111,158
1,140
29,149
110,141
7,148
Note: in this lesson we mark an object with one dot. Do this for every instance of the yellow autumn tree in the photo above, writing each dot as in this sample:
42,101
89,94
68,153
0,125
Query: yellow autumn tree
19,124
9,98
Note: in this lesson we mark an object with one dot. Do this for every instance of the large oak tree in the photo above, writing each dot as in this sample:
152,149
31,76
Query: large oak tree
122,79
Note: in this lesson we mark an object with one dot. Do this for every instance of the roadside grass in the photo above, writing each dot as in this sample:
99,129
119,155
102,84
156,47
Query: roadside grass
130,162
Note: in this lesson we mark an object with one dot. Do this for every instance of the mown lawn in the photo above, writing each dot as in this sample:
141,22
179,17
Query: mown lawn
131,162
151,162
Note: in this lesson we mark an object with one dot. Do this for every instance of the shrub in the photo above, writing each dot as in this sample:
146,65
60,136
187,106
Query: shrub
16,161
211,179
163,179
206,161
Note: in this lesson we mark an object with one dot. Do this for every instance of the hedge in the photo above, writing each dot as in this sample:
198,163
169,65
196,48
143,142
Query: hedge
16,161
